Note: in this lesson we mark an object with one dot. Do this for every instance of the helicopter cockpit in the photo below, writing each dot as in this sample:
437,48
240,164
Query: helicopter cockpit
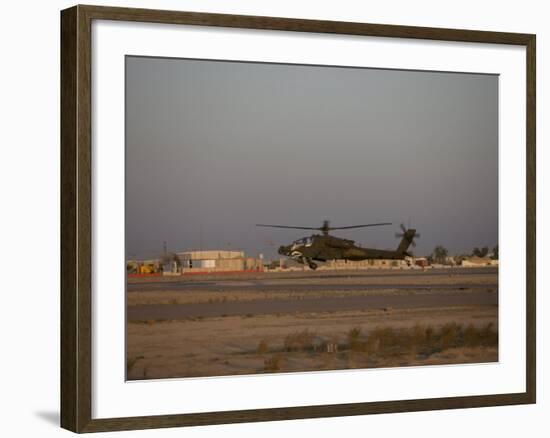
306,241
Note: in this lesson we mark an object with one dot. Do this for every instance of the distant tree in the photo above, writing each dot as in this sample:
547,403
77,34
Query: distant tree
439,254
495,253
458,259
168,258
480,252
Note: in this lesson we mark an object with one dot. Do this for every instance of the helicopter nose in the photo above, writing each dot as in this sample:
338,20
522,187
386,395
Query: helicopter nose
284,250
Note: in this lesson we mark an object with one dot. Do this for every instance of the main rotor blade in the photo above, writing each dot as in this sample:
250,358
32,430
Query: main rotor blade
360,226
287,226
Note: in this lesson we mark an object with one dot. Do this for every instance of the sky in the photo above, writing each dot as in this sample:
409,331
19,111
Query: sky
215,147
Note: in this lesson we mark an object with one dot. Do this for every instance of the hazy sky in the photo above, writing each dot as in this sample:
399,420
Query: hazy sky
214,147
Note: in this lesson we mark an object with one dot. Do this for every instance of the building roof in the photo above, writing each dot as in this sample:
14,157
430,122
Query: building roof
211,254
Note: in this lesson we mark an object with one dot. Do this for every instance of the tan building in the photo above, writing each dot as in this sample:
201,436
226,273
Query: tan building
218,261
473,262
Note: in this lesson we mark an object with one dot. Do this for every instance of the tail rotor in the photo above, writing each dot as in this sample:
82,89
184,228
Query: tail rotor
407,235
403,229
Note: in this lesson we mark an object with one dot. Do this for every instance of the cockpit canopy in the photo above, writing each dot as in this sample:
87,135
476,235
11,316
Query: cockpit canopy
306,241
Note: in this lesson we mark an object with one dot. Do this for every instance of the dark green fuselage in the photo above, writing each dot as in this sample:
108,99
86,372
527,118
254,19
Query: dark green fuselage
326,247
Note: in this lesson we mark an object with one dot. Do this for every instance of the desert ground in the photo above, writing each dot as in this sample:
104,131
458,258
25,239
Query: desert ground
213,325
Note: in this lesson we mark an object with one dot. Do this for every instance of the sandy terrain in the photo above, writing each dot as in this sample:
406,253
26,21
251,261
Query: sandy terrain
299,341
233,345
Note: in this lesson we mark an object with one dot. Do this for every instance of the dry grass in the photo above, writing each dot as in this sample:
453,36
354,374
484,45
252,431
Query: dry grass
426,340
354,338
234,342
299,341
263,347
274,363
130,363
422,341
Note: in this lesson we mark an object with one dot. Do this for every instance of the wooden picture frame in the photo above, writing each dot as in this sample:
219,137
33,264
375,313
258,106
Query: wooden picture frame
76,218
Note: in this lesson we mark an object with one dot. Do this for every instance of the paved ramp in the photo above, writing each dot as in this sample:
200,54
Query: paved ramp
260,307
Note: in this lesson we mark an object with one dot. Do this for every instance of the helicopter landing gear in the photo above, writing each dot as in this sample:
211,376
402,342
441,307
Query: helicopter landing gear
312,265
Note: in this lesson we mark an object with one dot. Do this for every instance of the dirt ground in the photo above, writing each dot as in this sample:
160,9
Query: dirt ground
359,338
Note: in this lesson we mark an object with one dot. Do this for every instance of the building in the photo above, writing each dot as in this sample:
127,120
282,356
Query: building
422,262
218,261
474,261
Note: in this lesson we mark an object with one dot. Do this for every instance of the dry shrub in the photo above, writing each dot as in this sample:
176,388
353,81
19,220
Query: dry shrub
274,363
263,347
387,341
489,336
354,339
328,361
130,363
471,336
450,336
352,360
419,335
383,344
299,341
429,334
484,337
372,345
426,340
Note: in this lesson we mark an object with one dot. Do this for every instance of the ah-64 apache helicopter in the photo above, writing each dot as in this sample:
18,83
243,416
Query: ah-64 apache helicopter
325,247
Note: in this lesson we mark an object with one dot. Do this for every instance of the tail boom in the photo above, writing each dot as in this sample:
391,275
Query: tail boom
406,241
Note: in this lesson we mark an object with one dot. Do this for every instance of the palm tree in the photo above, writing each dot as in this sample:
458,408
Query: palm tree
440,254
480,252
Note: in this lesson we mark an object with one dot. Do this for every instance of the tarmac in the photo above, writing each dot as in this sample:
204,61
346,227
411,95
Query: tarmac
388,302
400,289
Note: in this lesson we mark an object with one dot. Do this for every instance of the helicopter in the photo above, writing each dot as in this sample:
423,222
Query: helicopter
324,247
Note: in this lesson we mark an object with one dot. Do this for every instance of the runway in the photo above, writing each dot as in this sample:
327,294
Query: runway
181,311
262,287
307,292
315,281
